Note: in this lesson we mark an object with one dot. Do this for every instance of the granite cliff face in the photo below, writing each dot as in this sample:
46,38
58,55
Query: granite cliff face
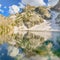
32,16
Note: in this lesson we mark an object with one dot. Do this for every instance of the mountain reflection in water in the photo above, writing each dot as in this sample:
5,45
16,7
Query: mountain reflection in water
31,46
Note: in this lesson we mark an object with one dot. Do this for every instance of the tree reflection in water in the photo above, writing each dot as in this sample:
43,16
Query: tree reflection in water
30,44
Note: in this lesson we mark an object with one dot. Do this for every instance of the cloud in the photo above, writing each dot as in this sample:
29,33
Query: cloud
1,11
0,5
21,5
5,7
34,2
14,9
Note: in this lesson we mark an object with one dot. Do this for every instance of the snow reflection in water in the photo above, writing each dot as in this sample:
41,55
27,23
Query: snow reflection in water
32,46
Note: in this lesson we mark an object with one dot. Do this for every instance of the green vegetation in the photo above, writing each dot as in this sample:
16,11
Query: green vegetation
57,52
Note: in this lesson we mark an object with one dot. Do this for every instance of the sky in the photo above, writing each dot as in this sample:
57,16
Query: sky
5,5
8,7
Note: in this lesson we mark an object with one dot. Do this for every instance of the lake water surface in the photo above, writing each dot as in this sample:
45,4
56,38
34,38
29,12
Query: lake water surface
32,46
